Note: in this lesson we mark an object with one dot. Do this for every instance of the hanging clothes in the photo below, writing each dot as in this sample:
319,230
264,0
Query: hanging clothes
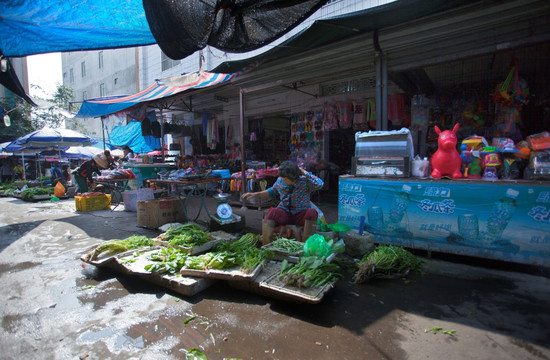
370,112
330,117
358,122
344,114
396,108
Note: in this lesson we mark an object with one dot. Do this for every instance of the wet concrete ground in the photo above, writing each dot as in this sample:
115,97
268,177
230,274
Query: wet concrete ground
56,307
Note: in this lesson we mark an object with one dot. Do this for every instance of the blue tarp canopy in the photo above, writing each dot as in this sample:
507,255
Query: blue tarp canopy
43,26
131,135
179,27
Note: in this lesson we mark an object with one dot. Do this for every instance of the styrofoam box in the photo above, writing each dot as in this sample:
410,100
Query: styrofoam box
131,197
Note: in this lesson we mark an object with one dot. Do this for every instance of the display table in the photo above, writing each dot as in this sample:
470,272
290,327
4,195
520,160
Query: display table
144,172
115,187
189,189
501,220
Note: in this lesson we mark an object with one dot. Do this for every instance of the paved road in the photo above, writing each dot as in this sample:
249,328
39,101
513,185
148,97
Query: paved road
55,307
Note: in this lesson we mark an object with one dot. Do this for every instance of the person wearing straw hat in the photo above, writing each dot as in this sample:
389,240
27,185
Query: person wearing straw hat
83,174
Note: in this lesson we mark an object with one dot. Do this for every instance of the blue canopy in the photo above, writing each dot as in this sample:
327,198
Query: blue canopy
131,135
179,27
43,26
48,137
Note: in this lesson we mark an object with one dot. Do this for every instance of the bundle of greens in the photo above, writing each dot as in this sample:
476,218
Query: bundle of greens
287,245
187,235
386,260
166,260
31,192
243,253
116,246
310,271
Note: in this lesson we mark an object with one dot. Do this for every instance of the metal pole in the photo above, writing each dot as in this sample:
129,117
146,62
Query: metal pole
23,160
103,131
161,134
243,160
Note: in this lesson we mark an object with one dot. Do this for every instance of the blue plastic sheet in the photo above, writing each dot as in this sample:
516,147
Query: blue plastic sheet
131,135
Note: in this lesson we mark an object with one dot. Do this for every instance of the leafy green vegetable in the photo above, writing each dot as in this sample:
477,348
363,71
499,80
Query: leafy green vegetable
387,260
287,245
188,320
243,253
31,192
166,260
116,246
437,329
308,272
186,235
195,354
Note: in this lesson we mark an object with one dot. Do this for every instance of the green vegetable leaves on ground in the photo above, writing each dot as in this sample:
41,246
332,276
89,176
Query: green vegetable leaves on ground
116,246
387,260
437,329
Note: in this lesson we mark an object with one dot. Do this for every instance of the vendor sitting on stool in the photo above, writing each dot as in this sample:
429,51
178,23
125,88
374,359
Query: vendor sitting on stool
293,188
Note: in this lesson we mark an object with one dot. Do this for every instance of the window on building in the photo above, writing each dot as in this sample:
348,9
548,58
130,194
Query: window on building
101,90
83,68
100,59
167,63
116,81
71,75
84,95
64,75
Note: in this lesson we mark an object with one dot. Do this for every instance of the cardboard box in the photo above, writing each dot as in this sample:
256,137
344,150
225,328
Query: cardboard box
93,203
157,212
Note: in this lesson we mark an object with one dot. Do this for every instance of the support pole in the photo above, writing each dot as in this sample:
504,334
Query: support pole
243,160
103,132
381,91
161,134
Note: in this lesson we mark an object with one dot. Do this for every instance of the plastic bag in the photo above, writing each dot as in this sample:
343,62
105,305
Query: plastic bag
338,227
420,167
59,190
317,246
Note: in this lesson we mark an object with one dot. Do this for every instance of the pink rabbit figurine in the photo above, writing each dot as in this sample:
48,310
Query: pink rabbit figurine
446,160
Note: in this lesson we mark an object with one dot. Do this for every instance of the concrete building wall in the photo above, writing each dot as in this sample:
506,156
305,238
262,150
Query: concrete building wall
116,75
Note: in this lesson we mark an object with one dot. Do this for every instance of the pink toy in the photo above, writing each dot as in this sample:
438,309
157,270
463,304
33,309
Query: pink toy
446,160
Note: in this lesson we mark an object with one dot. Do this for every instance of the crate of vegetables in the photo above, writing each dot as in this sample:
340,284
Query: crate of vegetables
284,248
189,238
306,281
237,260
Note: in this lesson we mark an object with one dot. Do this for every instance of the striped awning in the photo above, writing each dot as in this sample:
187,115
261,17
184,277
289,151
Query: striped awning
160,89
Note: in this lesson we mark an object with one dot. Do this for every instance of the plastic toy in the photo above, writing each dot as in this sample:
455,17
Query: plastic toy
446,160
491,161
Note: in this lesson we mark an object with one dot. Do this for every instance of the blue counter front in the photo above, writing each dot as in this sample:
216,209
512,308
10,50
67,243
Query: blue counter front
502,220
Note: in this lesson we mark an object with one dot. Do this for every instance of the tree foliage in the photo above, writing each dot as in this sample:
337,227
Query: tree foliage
25,118
52,117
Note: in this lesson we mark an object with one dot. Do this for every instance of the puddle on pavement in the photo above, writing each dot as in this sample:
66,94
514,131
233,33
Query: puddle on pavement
120,341
190,330
11,268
